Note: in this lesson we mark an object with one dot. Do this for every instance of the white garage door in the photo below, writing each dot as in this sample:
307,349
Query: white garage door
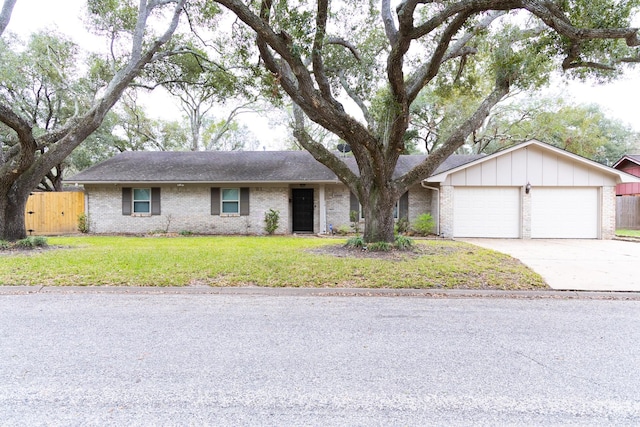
564,213
486,212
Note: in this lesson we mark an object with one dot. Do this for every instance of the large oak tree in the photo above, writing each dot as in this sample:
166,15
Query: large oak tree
329,57
30,152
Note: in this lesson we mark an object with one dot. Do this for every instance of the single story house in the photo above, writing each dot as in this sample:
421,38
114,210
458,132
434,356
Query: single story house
532,190
630,164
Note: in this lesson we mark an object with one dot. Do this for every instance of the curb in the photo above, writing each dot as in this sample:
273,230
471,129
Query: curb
320,292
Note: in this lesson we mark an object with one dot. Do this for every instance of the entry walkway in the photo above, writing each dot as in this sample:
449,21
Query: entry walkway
586,265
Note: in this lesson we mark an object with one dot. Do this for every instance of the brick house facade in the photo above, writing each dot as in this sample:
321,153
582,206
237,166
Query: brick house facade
532,190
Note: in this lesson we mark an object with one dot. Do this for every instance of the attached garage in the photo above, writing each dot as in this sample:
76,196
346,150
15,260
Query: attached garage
564,213
486,212
531,190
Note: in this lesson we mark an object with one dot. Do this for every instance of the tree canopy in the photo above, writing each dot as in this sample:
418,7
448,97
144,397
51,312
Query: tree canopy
361,76
381,80
45,126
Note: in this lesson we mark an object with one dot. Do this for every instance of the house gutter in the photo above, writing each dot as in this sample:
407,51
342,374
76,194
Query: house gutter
437,190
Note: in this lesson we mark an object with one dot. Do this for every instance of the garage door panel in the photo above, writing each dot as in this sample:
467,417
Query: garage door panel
486,212
564,213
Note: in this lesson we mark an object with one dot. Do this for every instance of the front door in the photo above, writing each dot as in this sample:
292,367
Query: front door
302,210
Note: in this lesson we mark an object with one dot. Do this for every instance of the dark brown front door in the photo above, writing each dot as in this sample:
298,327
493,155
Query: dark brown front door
302,210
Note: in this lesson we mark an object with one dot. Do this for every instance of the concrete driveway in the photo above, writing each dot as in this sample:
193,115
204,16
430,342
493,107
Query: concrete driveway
585,265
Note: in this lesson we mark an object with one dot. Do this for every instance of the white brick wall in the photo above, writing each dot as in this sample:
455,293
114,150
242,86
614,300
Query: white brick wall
526,214
608,230
186,208
446,211
338,203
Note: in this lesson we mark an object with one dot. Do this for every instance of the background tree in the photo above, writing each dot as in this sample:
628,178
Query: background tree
32,152
320,54
580,129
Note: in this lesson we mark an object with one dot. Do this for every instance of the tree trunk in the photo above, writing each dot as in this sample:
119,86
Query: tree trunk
12,206
378,216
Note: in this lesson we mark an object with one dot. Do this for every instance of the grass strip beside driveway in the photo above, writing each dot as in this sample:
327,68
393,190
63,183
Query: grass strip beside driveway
261,261
628,233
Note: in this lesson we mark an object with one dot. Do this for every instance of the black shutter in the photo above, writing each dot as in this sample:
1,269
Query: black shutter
155,201
244,201
215,201
126,200
403,206
354,204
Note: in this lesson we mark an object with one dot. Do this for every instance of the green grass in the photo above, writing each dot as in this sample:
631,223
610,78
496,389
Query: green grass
628,233
260,261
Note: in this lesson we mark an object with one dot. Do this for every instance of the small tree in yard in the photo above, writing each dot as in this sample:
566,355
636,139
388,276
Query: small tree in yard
29,153
382,60
272,221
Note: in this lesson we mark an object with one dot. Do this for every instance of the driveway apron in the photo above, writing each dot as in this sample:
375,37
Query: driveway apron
585,265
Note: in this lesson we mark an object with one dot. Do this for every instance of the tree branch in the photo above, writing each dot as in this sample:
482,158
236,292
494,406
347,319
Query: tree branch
5,15
357,99
317,51
456,139
389,24
344,43
320,152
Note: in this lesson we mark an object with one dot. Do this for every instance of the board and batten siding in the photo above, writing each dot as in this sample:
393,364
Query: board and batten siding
530,165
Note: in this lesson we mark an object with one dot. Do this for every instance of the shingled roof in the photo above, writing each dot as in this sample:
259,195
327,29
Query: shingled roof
229,166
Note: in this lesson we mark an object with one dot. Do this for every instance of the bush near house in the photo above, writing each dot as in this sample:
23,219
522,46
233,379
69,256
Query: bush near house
424,224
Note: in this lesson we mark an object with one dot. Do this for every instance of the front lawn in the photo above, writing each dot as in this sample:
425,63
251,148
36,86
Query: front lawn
260,261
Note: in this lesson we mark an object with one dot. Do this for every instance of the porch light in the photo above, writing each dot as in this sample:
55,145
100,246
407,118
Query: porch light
527,188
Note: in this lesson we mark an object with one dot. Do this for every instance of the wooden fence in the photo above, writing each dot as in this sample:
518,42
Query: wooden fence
628,212
53,212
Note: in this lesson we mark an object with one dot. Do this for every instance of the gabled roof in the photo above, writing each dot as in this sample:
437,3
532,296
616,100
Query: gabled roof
440,176
227,166
633,158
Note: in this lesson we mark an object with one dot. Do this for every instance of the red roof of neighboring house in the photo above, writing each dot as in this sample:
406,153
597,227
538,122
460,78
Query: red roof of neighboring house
630,164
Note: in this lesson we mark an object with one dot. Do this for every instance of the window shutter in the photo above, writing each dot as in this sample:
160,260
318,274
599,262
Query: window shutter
403,206
244,201
155,201
126,200
354,204
215,201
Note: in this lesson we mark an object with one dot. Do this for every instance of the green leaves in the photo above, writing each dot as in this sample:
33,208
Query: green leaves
112,16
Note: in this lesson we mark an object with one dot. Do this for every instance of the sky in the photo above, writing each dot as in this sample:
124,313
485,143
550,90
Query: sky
618,100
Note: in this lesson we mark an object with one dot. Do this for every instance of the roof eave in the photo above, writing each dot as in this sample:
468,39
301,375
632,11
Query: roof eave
111,182
622,176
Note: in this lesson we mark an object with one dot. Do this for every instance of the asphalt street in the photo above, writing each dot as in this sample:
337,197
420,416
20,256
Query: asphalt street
203,359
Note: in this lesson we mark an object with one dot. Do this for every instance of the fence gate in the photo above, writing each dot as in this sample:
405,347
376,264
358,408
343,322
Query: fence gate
628,212
53,212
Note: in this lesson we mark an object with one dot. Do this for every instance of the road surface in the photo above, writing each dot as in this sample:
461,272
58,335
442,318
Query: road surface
183,359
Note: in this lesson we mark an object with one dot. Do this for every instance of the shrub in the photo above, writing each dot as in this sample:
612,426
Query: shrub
424,224
4,244
83,223
380,246
403,243
356,242
355,220
32,242
402,225
186,233
343,230
271,219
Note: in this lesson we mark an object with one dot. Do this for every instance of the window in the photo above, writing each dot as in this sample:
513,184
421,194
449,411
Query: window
142,200
400,209
230,200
